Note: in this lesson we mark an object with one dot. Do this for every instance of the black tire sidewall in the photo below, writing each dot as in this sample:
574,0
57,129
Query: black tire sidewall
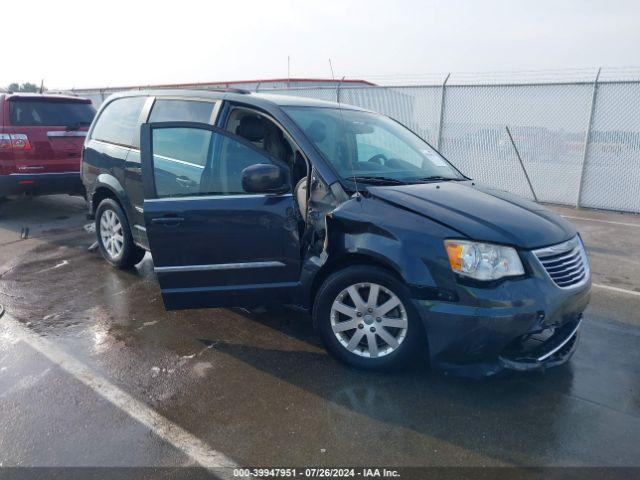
130,256
342,279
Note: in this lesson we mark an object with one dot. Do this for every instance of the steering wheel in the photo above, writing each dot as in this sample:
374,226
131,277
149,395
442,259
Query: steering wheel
379,158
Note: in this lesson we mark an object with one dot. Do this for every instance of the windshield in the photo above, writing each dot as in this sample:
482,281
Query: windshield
51,112
370,147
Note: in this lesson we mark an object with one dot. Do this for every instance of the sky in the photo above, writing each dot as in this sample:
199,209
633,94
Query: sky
96,43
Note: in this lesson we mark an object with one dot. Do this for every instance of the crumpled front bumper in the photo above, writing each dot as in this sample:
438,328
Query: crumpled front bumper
529,353
519,355
528,324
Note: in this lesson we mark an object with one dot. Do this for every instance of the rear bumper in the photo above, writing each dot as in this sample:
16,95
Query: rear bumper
41,183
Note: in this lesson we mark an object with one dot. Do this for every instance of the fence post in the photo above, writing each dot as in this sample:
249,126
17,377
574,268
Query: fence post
587,138
439,138
338,90
526,175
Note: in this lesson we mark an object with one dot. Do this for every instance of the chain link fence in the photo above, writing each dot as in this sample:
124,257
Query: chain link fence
577,133
579,139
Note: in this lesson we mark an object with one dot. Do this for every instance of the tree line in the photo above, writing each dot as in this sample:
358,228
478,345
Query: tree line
25,87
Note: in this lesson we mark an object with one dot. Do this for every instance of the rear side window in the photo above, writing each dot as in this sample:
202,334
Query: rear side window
30,112
181,111
118,123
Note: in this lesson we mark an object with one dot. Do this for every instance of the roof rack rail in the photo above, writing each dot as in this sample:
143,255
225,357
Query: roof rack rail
241,91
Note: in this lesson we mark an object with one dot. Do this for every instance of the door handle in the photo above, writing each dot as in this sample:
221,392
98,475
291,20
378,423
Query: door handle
186,182
168,220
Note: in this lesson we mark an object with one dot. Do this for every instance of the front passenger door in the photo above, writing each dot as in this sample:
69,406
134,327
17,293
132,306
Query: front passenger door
214,244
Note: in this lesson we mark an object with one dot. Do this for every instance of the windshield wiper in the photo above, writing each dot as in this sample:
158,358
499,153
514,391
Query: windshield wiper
439,178
376,180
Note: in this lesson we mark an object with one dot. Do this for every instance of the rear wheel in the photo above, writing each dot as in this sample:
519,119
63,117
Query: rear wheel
114,235
366,319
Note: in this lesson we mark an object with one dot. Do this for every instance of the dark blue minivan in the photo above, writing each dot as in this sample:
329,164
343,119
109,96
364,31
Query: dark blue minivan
250,199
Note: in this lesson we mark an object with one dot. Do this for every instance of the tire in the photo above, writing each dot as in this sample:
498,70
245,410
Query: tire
114,235
404,334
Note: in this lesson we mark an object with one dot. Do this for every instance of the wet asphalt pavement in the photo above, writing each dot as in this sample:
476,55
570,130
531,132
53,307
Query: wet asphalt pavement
258,386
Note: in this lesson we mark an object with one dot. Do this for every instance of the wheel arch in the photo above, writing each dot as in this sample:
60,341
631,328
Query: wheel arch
107,186
342,262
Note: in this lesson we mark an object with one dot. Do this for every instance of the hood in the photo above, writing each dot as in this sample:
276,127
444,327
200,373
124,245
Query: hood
481,213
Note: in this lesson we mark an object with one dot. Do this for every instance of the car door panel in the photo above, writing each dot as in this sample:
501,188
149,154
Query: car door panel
232,243
216,249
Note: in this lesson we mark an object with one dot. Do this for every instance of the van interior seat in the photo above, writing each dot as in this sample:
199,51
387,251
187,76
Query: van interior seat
276,145
251,127
300,195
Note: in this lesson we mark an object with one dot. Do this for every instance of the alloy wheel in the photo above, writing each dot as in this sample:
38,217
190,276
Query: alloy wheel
111,233
370,328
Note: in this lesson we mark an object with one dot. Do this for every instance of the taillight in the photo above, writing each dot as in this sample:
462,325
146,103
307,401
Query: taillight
5,142
19,141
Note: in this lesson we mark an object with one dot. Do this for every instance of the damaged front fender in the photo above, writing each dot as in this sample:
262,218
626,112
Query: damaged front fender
368,230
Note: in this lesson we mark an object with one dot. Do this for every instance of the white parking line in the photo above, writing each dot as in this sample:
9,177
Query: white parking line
616,289
626,224
191,446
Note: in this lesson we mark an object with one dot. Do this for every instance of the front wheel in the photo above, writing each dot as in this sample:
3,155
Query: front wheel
114,236
366,319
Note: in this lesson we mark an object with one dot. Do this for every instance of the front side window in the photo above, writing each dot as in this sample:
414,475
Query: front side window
192,161
168,110
51,112
370,147
262,132
119,121
266,135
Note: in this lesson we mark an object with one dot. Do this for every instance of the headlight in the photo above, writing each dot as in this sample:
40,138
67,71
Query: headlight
483,261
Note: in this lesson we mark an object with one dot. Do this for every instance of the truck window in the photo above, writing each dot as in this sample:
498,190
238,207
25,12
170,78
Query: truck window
30,112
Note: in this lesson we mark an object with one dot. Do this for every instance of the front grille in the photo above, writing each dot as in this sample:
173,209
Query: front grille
566,263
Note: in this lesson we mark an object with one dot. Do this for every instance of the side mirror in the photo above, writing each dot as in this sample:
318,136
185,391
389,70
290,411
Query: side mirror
265,178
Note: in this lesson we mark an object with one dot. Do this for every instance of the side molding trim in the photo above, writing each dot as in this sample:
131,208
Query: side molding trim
218,266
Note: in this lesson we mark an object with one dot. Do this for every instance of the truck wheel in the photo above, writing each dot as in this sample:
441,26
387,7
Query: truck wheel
114,236
366,319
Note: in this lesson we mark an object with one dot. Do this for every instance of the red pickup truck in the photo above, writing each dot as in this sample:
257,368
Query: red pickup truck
41,138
